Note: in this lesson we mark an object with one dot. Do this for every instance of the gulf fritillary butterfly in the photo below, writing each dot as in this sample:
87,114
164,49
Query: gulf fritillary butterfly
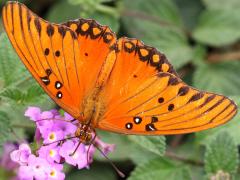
118,85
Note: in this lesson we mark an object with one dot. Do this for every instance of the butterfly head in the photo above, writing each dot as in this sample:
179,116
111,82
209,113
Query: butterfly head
84,133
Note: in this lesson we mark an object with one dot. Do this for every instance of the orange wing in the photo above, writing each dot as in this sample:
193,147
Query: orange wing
95,42
65,59
148,98
49,51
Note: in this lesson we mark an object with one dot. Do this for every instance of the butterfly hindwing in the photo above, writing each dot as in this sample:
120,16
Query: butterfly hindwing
49,51
146,98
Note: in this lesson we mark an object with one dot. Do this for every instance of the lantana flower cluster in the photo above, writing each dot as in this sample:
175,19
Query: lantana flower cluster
56,132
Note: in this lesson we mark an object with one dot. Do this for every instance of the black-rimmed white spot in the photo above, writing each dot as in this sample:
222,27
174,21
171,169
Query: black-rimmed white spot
150,127
59,95
45,80
129,126
137,120
58,85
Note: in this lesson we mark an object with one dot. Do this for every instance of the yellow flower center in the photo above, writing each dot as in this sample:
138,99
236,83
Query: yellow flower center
53,173
52,153
52,137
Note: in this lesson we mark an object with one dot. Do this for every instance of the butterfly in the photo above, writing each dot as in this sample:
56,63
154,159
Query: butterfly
117,85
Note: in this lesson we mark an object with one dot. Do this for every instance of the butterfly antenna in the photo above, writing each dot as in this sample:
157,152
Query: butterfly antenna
59,141
75,150
48,119
121,174
91,143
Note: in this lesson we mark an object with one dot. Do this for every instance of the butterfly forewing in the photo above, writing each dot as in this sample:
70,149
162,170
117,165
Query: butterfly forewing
95,44
49,51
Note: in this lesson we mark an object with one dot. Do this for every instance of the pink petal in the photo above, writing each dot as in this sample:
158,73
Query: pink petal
33,113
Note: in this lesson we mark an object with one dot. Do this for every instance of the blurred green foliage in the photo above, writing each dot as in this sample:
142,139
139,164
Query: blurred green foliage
201,39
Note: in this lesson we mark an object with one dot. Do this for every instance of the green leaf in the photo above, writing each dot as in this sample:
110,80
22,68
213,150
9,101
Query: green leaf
99,171
218,27
190,10
11,67
222,4
5,127
65,11
221,154
123,146
158,24
155,144
160,169
221,78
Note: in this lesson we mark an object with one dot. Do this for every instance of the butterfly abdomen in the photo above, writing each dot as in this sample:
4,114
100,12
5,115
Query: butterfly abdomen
93,109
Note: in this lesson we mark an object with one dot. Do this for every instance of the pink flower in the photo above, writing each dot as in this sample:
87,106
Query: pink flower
5,160
80,156
106,148
66,127
36,167
50,153
55,172
33,113
52,135
21,155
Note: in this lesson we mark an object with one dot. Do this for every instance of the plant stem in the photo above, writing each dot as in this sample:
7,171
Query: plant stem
183,159
217,57
23,126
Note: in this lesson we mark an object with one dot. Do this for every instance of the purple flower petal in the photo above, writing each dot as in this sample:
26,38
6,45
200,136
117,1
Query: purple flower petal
25,173
55,172
68,117
5,160
33,113
106,148
53,136
50,153
21,155
66,127
80,156
39,166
